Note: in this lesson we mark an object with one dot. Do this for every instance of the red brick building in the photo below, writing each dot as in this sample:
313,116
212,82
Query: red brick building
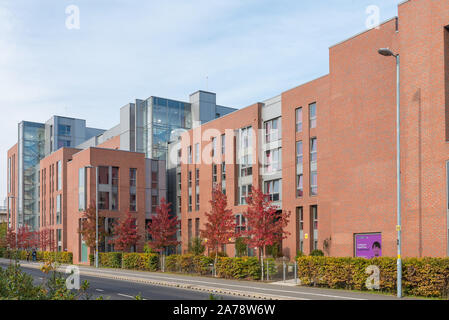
334,164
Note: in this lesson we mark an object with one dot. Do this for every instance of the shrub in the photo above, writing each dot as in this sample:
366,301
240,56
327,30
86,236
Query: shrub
171,263
110,259
196,246
220,255
428,277
202,264
317,253
239,268
139,261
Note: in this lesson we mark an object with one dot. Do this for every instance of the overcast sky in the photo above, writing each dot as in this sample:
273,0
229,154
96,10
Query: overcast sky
250,50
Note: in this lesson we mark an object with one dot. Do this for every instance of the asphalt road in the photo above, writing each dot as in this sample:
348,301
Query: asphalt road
123,290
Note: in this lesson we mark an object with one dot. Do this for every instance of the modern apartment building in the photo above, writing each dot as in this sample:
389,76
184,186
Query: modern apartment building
52,169
326,150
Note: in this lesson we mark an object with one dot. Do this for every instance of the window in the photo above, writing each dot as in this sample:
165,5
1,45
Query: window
197,227
63,143
246,137
273,160
132,177
272,189
190,179
272,129
240,223
197,177
223,171
246,166
59,236
132,189
314,222
223,144
103,200
58,209
245,191
299,155
189,153
189,232
103,175
214,173
214,146
154,203
179,181
197,201
197,153
313,149
299,120
313,167
312,115
81,189
154,175
115,176
190,203
59,182
299,185
9,175
64,130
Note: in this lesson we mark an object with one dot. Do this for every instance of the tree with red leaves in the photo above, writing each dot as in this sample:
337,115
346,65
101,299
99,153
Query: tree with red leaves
220,226
45,240
88,227
125,233
11,239
162,229
26,239
265,225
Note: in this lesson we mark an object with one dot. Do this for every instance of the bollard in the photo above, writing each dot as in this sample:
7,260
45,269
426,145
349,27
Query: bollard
283,273
296,272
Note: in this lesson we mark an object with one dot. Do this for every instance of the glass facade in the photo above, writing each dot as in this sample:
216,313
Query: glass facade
163,116
31,151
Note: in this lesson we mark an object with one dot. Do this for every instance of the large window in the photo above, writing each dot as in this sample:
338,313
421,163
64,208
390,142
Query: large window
103,175
103,200
299,152
246,166
214,146
272,188
197,153
214,173
300,227
299,120
223,144
81,189
299,185
312,115
197,177
133,190
64,130
59,182
58,209
245,191
314,222
246,137
189,153
272,130
273,160
313,167
240,223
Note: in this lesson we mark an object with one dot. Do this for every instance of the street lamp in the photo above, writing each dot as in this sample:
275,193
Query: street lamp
96,213
389,53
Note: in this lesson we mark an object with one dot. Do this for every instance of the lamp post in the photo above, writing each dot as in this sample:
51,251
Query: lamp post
9,216
96,213
389,53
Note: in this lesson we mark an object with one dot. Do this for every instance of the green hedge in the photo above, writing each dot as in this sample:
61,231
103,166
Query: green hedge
239,268
61,257
141,261
428,277
110,259
188,263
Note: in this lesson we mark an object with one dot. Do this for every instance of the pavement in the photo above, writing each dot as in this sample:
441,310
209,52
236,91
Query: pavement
119,283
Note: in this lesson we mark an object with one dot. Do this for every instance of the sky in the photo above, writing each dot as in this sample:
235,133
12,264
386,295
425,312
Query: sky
245,51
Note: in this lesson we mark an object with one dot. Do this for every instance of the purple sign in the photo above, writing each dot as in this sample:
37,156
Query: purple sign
368,245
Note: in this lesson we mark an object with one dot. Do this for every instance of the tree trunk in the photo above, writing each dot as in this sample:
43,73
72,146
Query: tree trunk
261,261
215,262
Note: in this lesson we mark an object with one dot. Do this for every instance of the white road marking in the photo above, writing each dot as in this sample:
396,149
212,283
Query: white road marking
238,286
125,295
99,290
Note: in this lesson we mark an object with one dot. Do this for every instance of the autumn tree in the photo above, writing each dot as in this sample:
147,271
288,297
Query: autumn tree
26,239
220,226
265,224
45,240
125,233
11,239
89,227
162,229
